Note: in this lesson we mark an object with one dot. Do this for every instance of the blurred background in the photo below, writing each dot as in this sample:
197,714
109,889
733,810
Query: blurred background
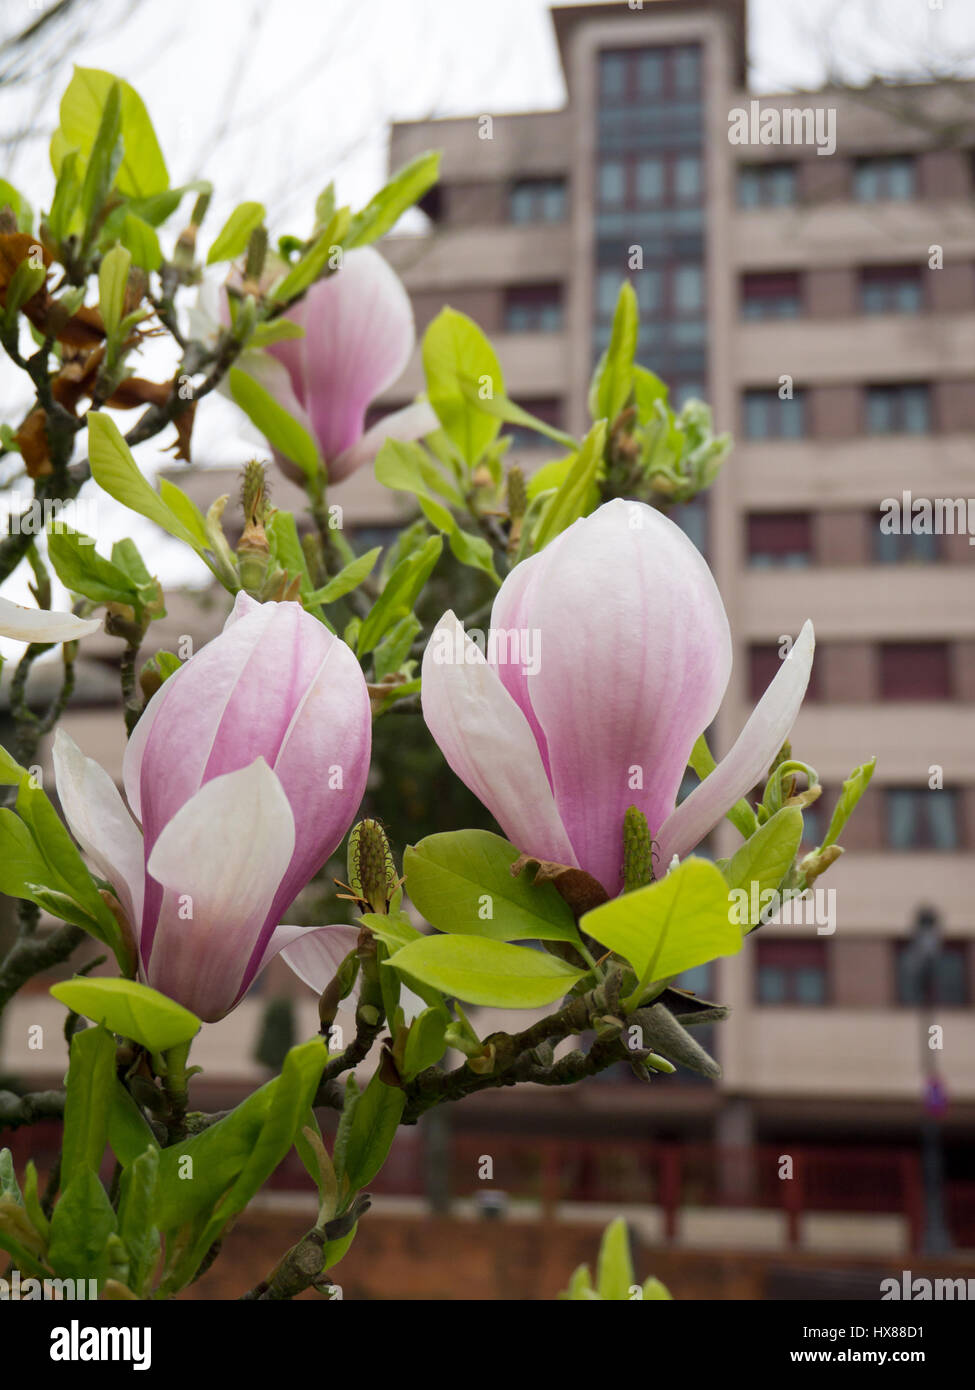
824,305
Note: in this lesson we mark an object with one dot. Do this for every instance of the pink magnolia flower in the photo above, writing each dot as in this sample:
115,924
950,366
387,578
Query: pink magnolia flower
244,773
359,335
630,659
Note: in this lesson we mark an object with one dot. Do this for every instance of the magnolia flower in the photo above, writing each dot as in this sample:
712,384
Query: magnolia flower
42,625
244,773
631,655
358,338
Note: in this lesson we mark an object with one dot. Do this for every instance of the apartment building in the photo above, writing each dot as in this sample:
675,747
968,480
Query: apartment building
824,304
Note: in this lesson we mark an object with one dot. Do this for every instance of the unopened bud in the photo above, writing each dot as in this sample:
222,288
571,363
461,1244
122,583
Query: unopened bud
517,495
819,861
372,873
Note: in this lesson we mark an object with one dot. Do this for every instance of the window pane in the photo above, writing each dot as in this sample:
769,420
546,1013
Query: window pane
810,985
901,818
756,415
686,70
553,202
649,180
942,818
880,414
916,415
648,285
687,176
688,288
612,75
522,204
792,418
900,178
771,984
749,191
612,181
782,185
650,73
607,288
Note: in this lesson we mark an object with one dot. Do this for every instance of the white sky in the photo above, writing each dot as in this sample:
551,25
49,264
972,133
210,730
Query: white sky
272,98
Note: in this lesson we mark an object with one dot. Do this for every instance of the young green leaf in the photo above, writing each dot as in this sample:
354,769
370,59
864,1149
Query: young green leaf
143,170
384,210
235,233
398,598
612,382
81,1226
130,1009
483,971
113,277
458,360
370,1135
461,882
82,570
763,861
90,1086
853,788
281,430
348,578
115,470
680,921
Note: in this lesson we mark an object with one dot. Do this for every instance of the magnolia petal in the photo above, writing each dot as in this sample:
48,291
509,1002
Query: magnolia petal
487,741
749,759
100,823
43,625
359,335
220,860
412,422
635,658
313,953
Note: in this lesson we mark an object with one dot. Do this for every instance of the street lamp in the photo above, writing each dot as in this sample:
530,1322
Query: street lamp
921,960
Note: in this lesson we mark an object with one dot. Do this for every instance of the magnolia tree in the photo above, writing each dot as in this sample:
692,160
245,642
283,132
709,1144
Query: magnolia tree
573,713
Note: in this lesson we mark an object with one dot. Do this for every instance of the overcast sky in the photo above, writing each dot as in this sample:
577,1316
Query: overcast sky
272,98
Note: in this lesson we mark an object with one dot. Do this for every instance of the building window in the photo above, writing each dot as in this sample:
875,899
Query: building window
766,185
649,76
688,178
764,663
898,410
891,289
770,296
537,200
791,972
904,547
687,289
922,818
533,309
950,984
546,408
779,538
915,671
886,176
768,416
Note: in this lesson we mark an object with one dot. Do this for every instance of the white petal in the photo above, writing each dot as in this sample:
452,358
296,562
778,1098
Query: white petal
487,741
42,625
101,824
313,953
767,729
412,422
224,852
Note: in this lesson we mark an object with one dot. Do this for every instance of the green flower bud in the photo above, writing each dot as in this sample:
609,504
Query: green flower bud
637,851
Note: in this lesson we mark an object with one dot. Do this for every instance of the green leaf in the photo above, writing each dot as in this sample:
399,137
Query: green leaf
458,877
282,534
82,1223
394,930
395,647
103,158
577,493
185,510
129,1134
314,262
383,211
853,788
398,598
484,971
459,363
275,331
281,430
236,232
290,1102
670,926
113,277
143,169
9,1186
140,239
131,1009
648,392
762,862
504,408
614,1268
18,204
85,572
613,379
67,193
32,1202
425,1044
115,470
137,1192
90,1087
348,578
374,1121
38,856
406,467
